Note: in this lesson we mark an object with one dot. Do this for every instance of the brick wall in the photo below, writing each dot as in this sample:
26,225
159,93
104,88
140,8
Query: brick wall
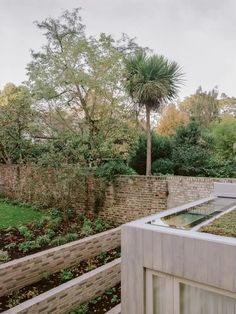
26,270
133,197
128,198
62,299
182,190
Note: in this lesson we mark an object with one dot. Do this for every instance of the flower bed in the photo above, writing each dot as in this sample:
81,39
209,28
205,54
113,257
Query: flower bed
101,304
27,270
49,231
49,281
64,298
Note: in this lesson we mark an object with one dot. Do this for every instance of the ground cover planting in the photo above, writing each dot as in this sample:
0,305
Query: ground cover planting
49,281
224,225
51,230
101,304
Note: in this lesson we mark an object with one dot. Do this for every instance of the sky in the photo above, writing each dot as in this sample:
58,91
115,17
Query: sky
198,34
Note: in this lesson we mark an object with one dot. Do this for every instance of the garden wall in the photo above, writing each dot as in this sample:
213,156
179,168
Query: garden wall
62,299
132,197
182,190
128,198
26,270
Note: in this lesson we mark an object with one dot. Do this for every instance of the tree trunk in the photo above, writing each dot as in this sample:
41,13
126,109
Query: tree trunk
149,142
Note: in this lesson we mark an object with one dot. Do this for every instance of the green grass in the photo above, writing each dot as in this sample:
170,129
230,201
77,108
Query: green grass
15,215
224,226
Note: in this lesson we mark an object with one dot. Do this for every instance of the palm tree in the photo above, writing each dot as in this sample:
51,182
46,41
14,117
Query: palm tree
151,81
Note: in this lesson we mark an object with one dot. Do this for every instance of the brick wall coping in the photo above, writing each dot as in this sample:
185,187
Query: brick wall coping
52,294
187,178
115,310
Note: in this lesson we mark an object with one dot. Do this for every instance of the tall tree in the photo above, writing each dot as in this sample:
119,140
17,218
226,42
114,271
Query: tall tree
83,75
202,106
171,119
151,81
16,117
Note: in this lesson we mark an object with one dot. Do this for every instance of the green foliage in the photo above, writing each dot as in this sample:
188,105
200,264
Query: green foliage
163,166
15,215
152,80
202,106
99,225
95,300
224,136
113,168
4,257
191,151
28,246
50,233
103,257
161,149
87,228
16,127
59,240
65,275
81,103
71,237
43,240
81,309
25,232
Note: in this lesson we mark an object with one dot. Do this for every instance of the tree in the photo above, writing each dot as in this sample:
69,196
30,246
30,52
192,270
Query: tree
16,116
227,105
202,106
171,119
224,135
162,147
82,76
151,81
191,150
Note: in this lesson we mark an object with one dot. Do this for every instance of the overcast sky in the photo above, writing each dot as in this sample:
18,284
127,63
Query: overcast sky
199,34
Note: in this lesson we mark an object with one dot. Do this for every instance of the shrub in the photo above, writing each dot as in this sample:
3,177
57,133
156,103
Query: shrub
161,148
163,166
112,168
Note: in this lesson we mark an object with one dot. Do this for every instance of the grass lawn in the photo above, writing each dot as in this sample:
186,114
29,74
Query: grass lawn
225,225
15,215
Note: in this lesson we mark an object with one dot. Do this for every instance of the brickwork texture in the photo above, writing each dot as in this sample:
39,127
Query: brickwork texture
62,299
24,271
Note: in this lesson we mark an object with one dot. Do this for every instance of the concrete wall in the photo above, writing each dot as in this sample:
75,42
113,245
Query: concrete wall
115,310
203,264
62,299
24,271
182,190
